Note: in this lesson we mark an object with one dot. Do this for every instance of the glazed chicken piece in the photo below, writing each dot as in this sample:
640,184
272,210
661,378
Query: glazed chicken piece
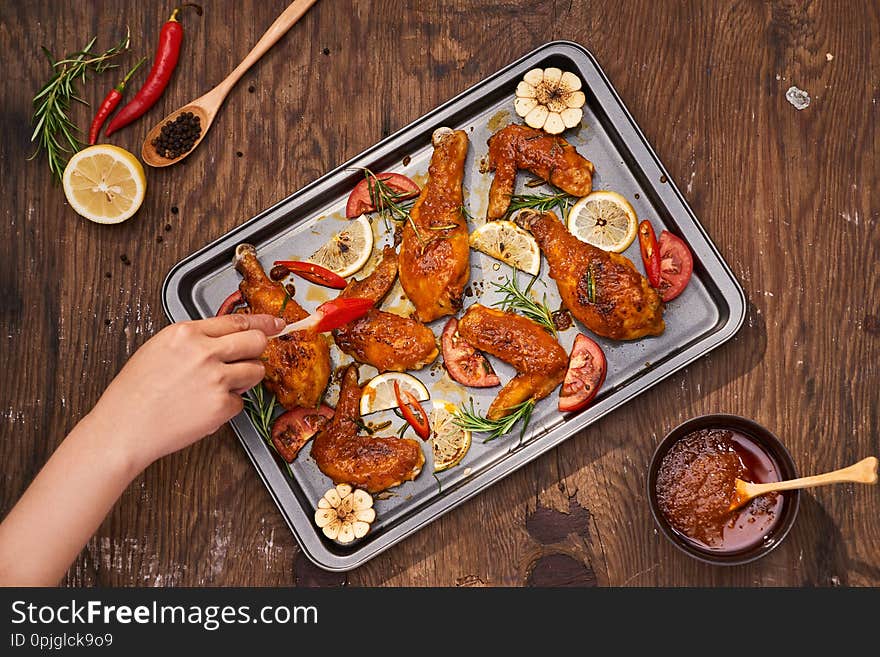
602,290
381,339
549,157
298,364
373,463
434,257
539,360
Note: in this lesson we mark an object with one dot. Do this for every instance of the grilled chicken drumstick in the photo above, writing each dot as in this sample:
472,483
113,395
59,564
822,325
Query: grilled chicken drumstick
297,365
549,157
539,360
381,339
373,463
434,254
602,290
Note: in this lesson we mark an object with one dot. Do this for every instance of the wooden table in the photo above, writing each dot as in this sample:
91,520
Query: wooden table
785,194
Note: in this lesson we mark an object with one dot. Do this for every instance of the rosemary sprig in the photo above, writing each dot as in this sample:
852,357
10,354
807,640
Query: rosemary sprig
591,284
54,131
391,205
521,301
260,407
470,420
545,202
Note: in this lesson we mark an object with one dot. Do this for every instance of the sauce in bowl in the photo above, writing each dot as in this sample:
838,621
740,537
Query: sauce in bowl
695,488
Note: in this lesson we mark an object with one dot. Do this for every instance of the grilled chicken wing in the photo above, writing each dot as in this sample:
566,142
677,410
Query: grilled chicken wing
549,157
434,256
381,339
603,290
369,462
539,360
297,365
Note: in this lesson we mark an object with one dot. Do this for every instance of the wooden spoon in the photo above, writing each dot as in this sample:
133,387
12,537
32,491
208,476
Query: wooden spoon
206,107
863,472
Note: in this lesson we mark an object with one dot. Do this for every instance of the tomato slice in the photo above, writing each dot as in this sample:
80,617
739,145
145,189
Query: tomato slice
314,273
676,265
464,363
585,375
296,427
230,303
359,200
650,252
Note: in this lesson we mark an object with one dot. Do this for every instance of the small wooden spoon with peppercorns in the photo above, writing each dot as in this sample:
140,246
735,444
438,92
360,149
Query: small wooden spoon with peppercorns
205,107
863,472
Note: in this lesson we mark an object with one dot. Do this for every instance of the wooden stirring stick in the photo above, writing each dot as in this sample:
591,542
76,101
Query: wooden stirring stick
206,107
863,472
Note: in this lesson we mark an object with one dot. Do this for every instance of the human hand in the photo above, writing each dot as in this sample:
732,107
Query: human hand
183,384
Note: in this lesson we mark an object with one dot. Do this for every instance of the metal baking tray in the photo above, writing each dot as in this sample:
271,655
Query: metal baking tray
709,312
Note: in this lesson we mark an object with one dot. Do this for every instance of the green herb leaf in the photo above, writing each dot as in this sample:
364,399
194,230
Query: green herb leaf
521,301
467,418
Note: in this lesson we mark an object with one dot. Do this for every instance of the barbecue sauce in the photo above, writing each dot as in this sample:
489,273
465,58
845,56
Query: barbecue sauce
695,487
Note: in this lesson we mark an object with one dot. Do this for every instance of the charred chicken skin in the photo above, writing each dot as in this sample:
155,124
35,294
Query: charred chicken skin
602,290
373,463
297,365
381,339
434,253
549,157
539,360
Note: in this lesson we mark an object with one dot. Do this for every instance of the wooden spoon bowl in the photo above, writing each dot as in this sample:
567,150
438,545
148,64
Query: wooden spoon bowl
206,115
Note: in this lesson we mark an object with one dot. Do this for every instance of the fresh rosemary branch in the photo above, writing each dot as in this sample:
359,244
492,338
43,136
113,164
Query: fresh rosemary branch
470,420
54,131
545,202
521,301
391,205
260,406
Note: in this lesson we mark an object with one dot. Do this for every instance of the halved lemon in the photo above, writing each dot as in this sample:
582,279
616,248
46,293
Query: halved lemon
378,394
604,219
104,184
509,243
449,442
348,250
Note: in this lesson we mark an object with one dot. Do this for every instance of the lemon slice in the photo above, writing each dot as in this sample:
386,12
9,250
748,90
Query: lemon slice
449,442
508,243
348,250
104,184
604,219
378,394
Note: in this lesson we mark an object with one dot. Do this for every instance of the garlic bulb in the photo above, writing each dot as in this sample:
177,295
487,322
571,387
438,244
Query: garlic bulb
550,99
344,514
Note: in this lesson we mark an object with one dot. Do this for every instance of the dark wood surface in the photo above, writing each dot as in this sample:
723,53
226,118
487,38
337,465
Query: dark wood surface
788,196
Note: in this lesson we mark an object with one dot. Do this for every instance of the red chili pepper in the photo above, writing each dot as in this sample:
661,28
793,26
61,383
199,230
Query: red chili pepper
650,252
230,302
111,100
167,53
314,273
419,424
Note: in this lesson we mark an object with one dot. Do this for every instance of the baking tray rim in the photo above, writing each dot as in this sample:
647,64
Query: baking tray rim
729,289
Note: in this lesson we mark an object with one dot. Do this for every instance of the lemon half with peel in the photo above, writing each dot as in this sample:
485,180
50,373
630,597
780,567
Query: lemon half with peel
104,184
604,219
378,394
509,243
449,442
347,251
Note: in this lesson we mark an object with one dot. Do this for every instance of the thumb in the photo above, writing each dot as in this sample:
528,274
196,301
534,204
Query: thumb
216,327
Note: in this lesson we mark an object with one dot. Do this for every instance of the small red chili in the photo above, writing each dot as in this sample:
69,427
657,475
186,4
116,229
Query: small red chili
167,53
650,252
420,424
111,100
314,273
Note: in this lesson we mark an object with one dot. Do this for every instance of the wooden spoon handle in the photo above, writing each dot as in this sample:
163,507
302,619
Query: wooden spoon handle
863,472
278,29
